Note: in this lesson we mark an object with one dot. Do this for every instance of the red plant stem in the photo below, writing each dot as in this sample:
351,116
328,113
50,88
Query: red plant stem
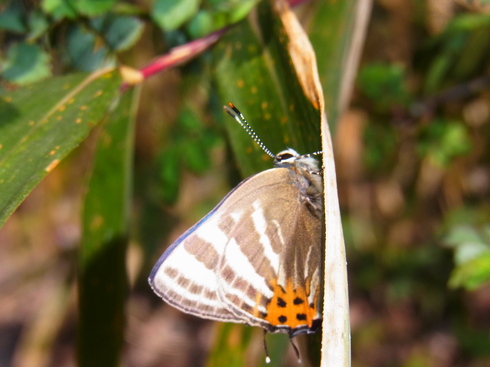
181,54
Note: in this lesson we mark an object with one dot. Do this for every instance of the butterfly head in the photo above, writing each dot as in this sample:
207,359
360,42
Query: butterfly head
289,157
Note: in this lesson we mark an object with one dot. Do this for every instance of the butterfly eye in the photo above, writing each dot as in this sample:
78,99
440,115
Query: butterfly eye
284,156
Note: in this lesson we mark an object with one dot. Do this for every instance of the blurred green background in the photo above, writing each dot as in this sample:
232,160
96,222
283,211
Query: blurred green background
411,148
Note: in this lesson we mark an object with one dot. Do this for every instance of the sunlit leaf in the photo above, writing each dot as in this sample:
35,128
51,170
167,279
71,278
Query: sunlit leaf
472,274
93,7
40,124
59,8
468,243
170,15
254,72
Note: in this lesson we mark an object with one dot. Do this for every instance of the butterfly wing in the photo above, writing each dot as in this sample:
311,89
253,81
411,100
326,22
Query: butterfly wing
186,275
255,258
270,271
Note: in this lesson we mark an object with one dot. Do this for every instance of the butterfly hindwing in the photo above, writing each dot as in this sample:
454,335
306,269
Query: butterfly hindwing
185,275
242,264
270,272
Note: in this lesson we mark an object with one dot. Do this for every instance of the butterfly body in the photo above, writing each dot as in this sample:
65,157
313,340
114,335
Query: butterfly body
256,258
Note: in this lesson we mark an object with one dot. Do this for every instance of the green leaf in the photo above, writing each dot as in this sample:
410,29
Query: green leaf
255,72
238,10
442,141
188,148
93,7
82,50
119,32
103,284
381,145
38,24
11,18
170,167
218,14
472,274
331,31
471,246
170,14
59,9
232,341
42,123
206,22
26,63
384,84
468,22
468,243
196,157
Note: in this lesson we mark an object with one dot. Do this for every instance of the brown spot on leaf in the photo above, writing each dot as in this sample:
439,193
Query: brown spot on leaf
52,165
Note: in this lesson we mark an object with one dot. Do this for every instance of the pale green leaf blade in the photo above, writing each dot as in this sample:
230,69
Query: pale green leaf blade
102,278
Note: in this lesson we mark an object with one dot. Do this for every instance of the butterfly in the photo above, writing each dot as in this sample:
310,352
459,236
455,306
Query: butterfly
256,258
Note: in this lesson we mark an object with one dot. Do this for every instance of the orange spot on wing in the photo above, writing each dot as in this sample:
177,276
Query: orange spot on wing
290,307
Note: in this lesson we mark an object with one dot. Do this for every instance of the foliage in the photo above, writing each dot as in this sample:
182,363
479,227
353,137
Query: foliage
413,162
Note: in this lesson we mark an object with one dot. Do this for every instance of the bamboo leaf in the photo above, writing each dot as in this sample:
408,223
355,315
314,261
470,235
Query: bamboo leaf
41,123
102,262
266,67
254,71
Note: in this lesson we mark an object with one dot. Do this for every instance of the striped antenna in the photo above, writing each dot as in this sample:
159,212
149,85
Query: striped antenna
237,115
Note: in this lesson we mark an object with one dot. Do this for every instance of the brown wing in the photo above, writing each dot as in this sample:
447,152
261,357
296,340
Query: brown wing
270,271
255,258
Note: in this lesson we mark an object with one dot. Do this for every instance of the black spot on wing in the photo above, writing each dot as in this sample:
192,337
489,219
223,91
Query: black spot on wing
298,301
281,302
